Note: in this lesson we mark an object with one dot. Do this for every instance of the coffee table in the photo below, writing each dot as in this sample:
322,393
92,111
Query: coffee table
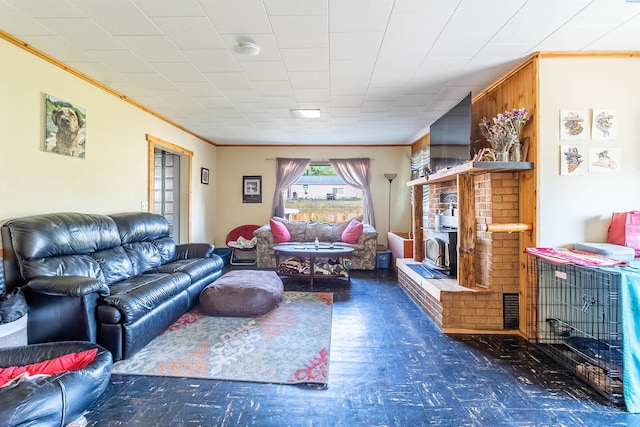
310,252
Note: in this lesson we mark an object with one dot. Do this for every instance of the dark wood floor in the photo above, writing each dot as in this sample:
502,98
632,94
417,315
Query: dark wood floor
389,366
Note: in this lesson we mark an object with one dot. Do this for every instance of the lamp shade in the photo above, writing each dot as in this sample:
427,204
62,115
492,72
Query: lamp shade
390,176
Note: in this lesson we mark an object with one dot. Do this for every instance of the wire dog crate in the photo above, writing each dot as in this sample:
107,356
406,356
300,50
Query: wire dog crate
576,318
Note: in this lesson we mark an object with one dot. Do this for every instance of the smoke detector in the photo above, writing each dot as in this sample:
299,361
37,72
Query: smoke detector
249,48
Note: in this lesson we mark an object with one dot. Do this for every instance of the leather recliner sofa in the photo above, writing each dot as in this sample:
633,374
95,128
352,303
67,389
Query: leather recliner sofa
118,280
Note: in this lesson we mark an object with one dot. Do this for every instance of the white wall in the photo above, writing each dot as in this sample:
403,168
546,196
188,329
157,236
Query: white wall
113,175
578,208
235,162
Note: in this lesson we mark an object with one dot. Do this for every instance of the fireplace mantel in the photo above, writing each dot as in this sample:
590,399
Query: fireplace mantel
470,168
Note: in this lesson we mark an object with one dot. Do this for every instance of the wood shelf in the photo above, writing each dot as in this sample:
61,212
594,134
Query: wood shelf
470,168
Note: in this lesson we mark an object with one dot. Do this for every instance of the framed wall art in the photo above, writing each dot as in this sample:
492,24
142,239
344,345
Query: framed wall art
573,159
605,159
574,125
65,125
252,189
204,176
604,126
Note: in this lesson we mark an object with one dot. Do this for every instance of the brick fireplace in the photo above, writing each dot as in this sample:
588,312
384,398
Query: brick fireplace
491,302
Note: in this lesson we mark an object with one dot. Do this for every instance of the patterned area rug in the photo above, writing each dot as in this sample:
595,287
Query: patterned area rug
288,345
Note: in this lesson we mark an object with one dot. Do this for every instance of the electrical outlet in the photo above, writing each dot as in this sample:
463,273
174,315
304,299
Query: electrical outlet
144,206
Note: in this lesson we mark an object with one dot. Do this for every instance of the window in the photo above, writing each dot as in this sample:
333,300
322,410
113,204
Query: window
321,195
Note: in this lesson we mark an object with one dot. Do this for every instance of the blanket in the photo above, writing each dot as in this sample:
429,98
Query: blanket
574,256
630,297
243,243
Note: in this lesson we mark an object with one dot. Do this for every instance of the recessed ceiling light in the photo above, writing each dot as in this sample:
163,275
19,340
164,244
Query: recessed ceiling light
305,113
248,48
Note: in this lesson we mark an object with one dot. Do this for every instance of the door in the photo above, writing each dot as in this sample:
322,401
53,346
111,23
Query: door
169,189
166,188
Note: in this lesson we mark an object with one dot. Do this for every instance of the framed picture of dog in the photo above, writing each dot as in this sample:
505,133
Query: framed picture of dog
65,125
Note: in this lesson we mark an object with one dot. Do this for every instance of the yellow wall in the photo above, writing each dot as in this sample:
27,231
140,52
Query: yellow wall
578,208
235,162
113,176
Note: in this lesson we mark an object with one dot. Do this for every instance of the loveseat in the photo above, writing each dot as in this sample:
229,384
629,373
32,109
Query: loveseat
364,250
118,280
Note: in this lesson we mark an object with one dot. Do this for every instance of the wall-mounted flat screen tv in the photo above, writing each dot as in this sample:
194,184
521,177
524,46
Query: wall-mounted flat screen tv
450,137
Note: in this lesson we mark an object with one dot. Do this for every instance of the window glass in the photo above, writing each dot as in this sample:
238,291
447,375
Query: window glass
321,195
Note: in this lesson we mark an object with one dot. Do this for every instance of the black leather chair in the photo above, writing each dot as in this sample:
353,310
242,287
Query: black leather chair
58,399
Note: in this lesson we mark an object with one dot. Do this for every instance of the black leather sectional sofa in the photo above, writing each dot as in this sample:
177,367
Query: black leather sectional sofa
118,280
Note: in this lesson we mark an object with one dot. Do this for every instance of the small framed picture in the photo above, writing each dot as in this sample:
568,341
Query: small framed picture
252,189
204,176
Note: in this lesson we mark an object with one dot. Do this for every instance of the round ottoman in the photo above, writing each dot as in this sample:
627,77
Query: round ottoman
242,293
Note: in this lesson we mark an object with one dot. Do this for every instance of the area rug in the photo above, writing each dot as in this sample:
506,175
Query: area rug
288,345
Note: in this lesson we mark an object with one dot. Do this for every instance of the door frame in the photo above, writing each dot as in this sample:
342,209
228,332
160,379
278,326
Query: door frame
186,157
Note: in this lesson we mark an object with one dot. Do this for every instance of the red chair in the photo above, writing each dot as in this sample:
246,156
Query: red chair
242,244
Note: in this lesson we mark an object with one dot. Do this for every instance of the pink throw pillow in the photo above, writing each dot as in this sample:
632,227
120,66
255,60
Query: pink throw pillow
352,233
279,231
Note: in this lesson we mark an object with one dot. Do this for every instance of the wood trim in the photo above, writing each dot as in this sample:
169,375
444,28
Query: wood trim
466,230
153,142
19,43
418,232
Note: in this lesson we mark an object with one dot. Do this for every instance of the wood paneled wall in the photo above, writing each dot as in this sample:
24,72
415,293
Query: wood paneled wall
518,88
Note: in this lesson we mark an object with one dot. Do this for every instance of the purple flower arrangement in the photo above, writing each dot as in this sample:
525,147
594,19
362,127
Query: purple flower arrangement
504,129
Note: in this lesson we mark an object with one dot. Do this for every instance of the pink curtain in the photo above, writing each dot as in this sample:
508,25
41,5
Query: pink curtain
287,172
357,173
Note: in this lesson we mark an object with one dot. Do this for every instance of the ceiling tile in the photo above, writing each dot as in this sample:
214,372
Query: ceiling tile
312,95
273,88
306,59
121,60
43,9
171,8
150,81
212,60
241,95
118,17
58,48
179,71
346,101
279,101
152,48
351,70
198,89
82,32
355,46
265,70
16,23
297,7
309,79
370,16
225,81
190,32
301,31
237,16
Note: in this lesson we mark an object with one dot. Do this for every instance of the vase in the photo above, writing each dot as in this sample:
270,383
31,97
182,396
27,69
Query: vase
515,151
502,156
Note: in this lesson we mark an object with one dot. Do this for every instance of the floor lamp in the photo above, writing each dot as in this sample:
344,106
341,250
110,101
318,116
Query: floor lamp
390,177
